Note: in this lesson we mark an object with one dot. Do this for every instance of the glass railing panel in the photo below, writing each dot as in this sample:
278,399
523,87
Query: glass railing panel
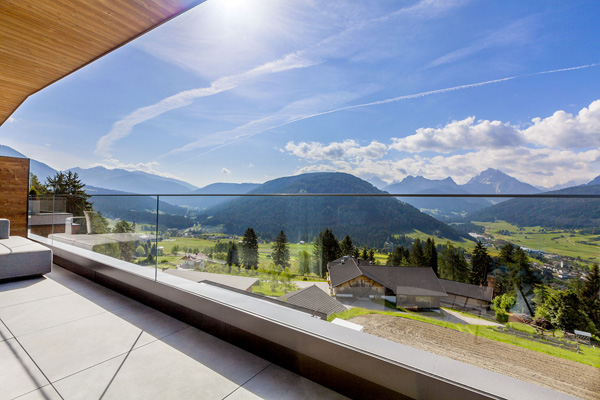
514,284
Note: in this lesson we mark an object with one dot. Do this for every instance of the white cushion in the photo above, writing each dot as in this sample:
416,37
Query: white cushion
21,257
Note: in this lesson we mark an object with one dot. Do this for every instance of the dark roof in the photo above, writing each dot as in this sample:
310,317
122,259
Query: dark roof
343,270
409,281
314,299
468,290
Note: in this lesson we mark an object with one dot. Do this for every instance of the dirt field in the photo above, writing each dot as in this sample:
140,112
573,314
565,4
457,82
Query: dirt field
556,373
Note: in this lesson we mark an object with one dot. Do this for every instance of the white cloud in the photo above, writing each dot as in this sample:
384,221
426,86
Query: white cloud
348,149
149,167
563,130
11,120
459,135
225,171
565,151
542,167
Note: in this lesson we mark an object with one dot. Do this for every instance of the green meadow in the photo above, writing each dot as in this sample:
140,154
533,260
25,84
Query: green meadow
568,243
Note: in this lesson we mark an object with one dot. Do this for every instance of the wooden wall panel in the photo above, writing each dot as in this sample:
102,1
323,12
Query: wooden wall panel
14,186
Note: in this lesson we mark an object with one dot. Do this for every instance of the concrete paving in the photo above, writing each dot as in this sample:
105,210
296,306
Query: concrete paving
458,318
64,337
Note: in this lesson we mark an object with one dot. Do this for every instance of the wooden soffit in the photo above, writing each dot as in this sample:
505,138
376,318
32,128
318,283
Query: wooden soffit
42,41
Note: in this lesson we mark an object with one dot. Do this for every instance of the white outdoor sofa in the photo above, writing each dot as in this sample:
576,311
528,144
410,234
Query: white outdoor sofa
21,257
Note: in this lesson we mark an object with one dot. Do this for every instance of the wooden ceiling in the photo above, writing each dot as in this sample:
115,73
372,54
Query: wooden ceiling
42,41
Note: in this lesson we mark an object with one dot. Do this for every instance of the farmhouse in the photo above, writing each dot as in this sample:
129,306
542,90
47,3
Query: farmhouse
466,296
408,287
193,261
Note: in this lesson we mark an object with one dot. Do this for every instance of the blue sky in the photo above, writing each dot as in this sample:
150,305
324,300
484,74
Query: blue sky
247,91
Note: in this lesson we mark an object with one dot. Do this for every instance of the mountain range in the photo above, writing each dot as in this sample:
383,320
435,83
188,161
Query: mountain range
546,212
131,181
490,181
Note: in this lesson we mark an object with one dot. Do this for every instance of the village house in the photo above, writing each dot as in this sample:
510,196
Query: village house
408,287
193,261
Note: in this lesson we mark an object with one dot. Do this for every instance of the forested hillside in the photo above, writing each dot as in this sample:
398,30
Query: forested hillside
368,220
547,212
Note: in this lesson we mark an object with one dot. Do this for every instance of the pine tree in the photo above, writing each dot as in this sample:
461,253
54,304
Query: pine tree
417,256
326,249
507,254
331,247
453,264
70,185
346,246
125,246
589,295
249,250
303,262
481,264
317,255
522,275
431,256
280,251
232,255
36,187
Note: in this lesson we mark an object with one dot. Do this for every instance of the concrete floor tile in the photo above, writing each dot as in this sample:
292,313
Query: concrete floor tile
225,359
103,297
33,316
4,332
149,320
280,384
155,371
68,348
28,290
43,393
18,374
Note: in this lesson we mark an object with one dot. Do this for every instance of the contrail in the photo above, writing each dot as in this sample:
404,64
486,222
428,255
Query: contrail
439,91
390,100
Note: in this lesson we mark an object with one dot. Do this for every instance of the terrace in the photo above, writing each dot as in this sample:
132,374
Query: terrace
62,336
84,322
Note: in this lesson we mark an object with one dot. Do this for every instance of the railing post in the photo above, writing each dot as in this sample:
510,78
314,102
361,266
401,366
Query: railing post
156,240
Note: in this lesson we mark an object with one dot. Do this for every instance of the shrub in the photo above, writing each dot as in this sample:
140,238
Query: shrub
542,323
504,302
501,316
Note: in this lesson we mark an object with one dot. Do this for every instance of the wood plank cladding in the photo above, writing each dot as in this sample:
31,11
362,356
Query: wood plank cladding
14,186
42,41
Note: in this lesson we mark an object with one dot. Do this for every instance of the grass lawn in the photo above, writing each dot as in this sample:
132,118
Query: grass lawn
265,289
587,355
468,245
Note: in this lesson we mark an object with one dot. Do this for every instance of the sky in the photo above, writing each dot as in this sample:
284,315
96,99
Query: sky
252,90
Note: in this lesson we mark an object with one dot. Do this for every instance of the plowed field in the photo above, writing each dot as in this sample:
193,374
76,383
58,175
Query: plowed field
556,373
